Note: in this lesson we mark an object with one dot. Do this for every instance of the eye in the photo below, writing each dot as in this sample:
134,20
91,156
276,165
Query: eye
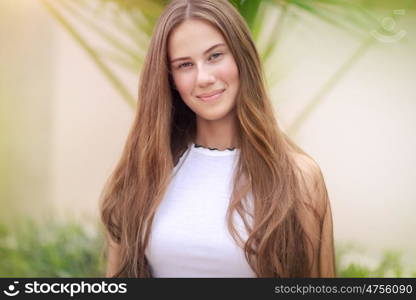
184,65
216,55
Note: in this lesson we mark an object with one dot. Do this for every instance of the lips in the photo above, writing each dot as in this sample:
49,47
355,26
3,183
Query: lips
211,96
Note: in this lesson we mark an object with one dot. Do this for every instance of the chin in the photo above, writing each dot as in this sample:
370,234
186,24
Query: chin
215,116
210,118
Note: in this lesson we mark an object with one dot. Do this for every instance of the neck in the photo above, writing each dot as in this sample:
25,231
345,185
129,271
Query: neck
220,134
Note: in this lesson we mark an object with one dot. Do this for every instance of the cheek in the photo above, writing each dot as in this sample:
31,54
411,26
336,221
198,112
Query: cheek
184,85
229,72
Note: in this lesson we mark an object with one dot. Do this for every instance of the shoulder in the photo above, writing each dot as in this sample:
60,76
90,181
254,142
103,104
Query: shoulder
311,181
306,165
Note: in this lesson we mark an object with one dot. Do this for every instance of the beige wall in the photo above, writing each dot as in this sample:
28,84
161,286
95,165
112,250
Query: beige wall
27,53
361,135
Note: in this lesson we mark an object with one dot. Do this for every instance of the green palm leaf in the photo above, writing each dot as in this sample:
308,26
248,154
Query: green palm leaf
133,21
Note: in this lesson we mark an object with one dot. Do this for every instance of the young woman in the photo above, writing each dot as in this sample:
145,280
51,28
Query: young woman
208,185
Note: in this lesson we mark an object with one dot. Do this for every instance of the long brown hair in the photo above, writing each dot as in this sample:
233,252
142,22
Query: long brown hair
277,245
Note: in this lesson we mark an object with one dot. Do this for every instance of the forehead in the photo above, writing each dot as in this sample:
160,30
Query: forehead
193,37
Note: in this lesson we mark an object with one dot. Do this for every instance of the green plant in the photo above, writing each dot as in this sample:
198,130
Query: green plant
132,24
68,249
388,265
53,249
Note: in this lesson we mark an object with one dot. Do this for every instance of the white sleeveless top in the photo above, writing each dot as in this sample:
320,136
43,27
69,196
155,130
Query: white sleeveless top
189,236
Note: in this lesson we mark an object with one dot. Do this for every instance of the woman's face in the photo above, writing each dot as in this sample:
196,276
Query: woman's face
203,69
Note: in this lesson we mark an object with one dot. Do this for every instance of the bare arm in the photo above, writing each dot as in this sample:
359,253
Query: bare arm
317,219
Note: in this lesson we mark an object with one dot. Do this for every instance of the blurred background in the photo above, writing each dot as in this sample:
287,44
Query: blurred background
341,75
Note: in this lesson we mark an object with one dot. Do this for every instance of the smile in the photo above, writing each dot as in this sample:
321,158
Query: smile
213,97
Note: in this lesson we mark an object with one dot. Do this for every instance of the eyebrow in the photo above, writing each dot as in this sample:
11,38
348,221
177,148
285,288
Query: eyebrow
205,52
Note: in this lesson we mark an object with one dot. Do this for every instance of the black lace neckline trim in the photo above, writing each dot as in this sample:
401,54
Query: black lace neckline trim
213,149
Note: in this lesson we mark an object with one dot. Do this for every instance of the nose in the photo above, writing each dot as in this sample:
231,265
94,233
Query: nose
205,77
